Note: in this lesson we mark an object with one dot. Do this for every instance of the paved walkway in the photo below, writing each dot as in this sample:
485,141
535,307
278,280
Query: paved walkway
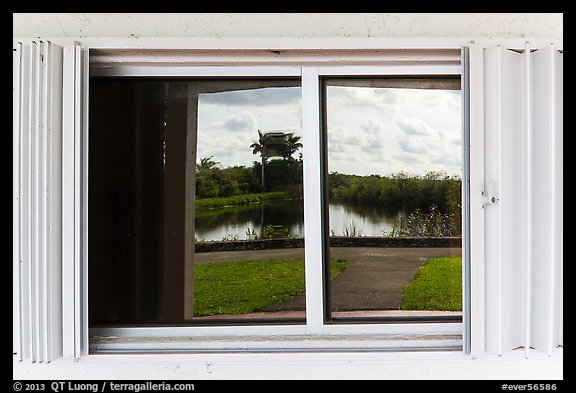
375,280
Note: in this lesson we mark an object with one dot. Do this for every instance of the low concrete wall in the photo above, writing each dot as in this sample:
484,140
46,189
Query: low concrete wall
335,241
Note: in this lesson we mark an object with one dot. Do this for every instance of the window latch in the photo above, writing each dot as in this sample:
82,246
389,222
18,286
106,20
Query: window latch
489,194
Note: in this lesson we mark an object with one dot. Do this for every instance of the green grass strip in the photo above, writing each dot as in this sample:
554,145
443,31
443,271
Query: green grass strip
238,200
242,287
436,286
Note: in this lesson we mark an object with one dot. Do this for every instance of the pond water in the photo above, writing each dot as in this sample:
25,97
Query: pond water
236,222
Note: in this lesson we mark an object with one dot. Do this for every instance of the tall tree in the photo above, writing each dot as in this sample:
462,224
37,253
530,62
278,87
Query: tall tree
292,145
207,163
261,148
275,144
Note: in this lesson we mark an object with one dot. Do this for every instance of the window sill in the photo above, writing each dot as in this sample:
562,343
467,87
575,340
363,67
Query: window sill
272,344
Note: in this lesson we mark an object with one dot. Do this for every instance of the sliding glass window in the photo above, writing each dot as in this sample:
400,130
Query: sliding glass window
195,201
393,199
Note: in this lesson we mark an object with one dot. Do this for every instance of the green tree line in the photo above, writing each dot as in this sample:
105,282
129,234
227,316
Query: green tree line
213,181
277,171
432,201
399,191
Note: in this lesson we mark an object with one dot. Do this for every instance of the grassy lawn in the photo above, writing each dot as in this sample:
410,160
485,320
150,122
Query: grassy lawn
437,286
241,287
237,200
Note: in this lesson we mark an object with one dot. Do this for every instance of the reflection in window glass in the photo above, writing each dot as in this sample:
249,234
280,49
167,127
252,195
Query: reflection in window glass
394,162
196,207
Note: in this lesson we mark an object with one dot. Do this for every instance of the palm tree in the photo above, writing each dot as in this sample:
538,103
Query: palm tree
276,143
207,163
261,148
292,145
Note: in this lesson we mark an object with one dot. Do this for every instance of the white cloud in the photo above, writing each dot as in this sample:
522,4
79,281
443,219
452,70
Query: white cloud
372,126
413,145
412,126
363,97
238,121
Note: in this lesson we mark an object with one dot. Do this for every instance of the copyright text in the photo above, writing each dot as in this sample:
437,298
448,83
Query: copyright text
101,386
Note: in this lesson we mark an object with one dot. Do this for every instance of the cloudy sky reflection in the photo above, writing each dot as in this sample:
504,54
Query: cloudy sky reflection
228,122
387,130
370,130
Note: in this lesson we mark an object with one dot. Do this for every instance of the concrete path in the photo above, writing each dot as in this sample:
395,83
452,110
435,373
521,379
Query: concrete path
375,280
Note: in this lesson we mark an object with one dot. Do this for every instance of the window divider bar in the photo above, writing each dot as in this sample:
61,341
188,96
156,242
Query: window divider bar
312,200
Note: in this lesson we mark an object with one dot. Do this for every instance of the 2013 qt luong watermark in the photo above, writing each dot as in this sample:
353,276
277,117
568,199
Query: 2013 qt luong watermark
101,386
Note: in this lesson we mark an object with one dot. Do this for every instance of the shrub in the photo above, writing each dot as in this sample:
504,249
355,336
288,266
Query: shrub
428,224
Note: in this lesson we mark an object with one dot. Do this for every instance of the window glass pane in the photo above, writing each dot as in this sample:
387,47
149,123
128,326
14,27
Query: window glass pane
195,201
394,167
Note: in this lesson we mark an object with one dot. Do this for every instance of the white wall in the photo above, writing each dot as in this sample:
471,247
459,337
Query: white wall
528,25
381,366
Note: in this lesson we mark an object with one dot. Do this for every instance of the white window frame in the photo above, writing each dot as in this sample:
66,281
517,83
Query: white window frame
311,119
312,52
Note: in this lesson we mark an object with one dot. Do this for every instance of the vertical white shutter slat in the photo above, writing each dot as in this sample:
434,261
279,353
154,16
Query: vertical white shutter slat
25,207
559,214
510,186
71,199
16,124
491,108
43,195
558,197
55,201
547,200
35,94
527,146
